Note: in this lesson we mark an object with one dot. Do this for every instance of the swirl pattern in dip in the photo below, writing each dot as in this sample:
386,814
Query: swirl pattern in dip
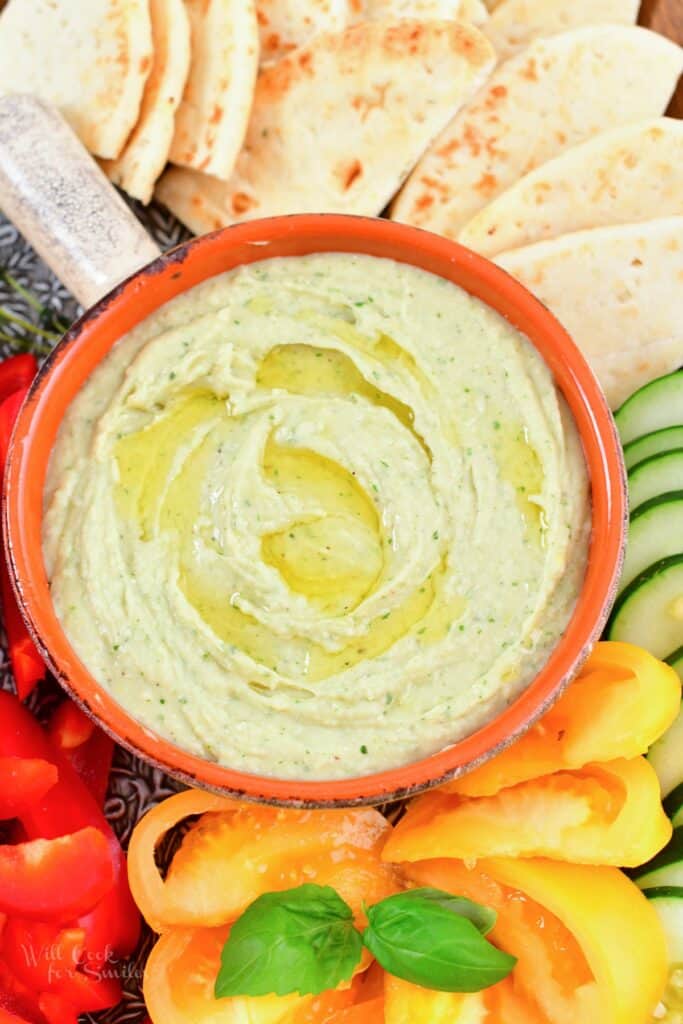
317,517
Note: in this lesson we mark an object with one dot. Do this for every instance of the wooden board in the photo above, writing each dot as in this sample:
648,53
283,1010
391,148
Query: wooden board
666,16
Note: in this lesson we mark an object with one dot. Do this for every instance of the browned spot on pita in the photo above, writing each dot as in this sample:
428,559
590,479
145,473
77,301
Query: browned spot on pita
437,185
145,64
403,37
494,97
561,137
423,202
472,139
273,42
530,70
306,61
349,172
241,203
262,17
364,104
216,114
487,183
449,149
636,262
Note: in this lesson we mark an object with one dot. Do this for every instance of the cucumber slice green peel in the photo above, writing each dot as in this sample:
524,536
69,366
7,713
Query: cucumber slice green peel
655,406
673,803
654,477
668,858
665,757
656,443
676,662
655,532
649,612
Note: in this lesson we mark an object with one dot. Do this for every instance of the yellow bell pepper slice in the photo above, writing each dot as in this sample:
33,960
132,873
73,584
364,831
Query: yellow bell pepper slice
590,948
601,814
238,851
405,1003
623,700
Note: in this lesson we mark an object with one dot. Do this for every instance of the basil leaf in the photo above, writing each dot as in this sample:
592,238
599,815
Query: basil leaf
483,918
422,938
300,940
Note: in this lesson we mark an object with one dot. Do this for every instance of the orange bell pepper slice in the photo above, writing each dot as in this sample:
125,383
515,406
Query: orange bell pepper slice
622,701
238,851
601,814
590,948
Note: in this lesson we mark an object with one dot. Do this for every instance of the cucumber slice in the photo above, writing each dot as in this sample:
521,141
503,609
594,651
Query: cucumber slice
676,662
655,532
660,474
664,869
673,804
666,757
652,444
649,612
657,405
668,902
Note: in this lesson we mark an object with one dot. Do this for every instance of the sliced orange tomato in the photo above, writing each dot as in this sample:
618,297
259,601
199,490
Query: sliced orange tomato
601,814
622,701
405,1003
179,980
238,851
589,946
181,972
505,1004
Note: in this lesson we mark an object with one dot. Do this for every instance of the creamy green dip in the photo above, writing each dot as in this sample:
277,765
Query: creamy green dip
317,517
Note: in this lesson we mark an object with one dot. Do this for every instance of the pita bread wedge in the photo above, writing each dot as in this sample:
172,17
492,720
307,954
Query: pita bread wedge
90,60
465,10
213,115
146,152
285,25
556,93
373,95
624,176
514,23
617,290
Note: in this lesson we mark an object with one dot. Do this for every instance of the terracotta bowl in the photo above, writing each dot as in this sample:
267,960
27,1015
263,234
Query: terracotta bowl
93,335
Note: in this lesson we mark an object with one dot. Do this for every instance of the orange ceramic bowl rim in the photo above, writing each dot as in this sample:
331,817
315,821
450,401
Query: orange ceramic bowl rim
183,267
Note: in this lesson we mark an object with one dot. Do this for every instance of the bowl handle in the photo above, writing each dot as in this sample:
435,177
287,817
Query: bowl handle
63,204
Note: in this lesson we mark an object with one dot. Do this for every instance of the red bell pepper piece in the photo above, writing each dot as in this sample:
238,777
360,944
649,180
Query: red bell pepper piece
55,879
68,807
88,748
56,1011
69,727
38,954
8,1017
27,665
15,373
17,998
50,961
23,781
